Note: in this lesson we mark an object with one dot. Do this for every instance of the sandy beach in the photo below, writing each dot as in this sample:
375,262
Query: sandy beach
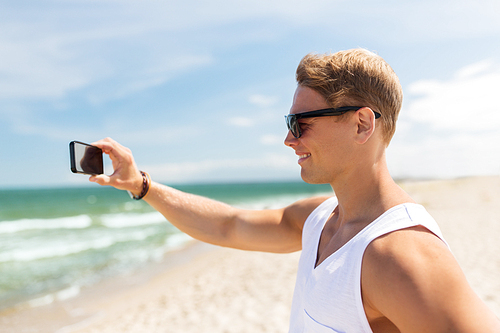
205,288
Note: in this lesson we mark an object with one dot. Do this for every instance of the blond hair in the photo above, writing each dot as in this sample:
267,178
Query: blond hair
355,78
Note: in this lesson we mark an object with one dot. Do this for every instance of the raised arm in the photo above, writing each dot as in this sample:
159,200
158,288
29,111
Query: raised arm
277,230
214,222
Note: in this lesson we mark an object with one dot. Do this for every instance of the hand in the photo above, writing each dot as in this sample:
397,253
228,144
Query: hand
126,175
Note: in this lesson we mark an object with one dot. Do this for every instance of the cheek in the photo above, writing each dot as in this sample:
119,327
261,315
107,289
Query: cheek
329,138
336,147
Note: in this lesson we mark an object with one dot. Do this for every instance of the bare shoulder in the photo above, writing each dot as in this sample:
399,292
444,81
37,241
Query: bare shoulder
298,212
401,246
411,278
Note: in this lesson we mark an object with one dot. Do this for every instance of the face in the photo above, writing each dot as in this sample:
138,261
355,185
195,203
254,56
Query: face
323,149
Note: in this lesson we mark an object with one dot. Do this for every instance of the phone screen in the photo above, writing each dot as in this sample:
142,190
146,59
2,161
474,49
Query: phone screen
85,158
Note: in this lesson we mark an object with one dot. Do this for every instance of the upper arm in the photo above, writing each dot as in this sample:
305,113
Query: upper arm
277,230
412,279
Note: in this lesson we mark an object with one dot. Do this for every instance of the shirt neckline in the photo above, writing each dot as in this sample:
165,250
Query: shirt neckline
367,227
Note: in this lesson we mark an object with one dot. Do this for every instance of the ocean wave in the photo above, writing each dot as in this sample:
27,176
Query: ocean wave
64,248
74,222
126,220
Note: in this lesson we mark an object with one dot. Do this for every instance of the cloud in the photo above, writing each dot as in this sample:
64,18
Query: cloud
106,48
263,101
36,69
466,102
450,127
426,20
126,81
271,140
445,157
267,166
241,122
26,123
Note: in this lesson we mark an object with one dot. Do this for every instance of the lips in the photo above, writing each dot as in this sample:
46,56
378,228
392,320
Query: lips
302,157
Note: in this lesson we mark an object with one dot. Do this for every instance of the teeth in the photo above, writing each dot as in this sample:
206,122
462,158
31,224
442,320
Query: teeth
304,156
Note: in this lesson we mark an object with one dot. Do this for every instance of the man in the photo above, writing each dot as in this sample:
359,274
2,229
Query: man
372,259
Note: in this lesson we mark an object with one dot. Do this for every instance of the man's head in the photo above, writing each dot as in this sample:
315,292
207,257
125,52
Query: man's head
355,78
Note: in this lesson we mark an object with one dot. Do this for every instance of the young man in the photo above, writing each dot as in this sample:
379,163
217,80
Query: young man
372,259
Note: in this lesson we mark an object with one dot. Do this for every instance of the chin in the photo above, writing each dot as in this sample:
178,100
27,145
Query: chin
313,179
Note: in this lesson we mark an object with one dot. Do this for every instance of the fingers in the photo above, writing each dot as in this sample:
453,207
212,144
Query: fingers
112,148
126,175
118,153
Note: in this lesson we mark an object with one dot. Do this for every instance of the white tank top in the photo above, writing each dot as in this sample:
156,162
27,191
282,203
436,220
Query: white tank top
328,298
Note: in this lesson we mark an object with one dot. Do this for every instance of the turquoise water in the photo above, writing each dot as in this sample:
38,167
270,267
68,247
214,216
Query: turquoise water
55,241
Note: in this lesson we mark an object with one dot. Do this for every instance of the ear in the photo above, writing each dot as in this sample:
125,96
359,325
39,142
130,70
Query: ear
365,124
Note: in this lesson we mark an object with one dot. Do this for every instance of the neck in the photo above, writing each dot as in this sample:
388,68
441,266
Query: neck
366,192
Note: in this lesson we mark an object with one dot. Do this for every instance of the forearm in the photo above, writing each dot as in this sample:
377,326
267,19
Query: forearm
201,218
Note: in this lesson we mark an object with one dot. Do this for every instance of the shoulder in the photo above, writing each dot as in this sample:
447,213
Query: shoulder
299,211
410,277
406,244
407,256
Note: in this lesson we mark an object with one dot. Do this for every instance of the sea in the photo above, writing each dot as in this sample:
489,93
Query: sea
54,242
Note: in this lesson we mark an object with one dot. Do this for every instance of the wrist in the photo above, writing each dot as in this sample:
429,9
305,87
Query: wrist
142,189
137,183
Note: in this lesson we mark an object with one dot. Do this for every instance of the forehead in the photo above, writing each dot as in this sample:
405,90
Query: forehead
306,99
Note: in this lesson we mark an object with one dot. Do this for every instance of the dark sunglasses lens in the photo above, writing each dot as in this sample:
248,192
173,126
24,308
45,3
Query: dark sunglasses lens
293,125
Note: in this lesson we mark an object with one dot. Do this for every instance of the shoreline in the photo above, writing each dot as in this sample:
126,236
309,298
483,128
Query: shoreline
82,308
202,287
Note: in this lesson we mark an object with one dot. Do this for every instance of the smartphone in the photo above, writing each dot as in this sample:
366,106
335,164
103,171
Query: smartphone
85,158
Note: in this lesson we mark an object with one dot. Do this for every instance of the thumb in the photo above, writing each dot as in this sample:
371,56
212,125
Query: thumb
103,180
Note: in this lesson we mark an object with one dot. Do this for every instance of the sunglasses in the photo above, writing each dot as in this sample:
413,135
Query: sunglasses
294,126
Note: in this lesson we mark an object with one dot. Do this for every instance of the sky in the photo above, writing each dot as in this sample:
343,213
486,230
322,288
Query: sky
198,89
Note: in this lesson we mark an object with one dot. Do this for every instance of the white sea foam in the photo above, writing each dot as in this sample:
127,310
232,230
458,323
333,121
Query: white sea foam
74,222
41,301
61,295
63,247
127,220
68,293
177,240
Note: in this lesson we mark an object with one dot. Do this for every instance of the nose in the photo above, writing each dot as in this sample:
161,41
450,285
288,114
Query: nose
290,140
